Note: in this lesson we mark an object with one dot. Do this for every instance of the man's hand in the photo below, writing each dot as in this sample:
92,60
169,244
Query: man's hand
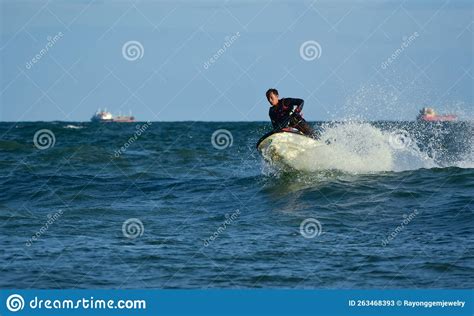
293,110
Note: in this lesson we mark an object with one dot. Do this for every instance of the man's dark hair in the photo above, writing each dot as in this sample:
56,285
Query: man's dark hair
269,91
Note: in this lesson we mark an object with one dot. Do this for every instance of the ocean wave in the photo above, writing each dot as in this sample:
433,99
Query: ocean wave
70,126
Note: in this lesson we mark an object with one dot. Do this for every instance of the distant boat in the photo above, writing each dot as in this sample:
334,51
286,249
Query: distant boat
429,115
104,116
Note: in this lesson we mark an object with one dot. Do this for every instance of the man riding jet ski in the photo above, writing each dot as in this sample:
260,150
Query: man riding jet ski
291,137
286,113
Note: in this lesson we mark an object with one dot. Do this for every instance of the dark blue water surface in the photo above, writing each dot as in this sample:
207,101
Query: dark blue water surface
159,206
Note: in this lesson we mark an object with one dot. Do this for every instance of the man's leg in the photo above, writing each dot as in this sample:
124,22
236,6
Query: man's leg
304,127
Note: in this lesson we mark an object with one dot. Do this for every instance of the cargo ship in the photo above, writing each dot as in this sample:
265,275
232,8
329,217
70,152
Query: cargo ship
104,116
429,115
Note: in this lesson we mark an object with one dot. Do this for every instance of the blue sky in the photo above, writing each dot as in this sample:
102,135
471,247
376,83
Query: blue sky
374,59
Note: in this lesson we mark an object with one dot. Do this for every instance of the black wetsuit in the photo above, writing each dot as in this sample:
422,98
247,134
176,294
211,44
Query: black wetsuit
280,116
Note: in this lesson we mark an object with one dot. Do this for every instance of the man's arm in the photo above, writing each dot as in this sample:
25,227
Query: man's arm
273,119
294,105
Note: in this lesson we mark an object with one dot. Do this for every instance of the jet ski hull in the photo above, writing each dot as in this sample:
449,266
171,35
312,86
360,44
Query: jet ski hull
282,148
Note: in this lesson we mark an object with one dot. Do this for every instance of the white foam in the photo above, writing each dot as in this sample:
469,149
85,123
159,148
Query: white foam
357,147
73,126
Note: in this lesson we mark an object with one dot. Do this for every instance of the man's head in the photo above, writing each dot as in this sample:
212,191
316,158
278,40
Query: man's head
272,96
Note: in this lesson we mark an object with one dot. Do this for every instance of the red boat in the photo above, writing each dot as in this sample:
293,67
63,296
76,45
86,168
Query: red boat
429,115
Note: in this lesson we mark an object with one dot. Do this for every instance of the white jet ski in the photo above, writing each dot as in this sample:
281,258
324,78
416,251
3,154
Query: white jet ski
282,147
